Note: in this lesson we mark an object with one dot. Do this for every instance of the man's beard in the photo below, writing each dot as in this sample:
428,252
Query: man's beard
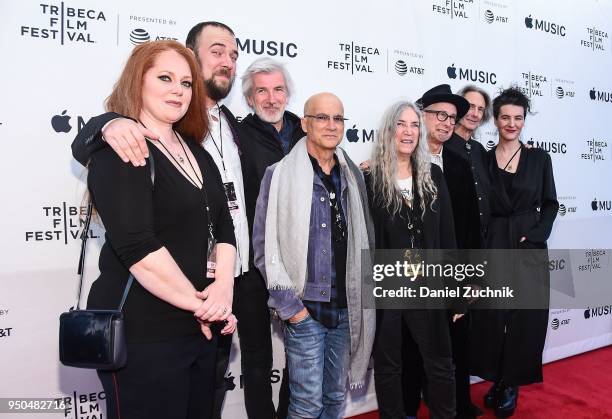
217,92
272,119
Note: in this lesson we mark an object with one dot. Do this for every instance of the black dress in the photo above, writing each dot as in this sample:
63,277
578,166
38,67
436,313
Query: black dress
139,221
523,204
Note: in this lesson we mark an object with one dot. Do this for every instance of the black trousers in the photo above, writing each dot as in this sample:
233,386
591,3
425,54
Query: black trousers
251,309
459,332
173,379
413,375
388,365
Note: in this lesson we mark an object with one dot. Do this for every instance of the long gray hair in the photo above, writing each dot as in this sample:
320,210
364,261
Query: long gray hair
383,162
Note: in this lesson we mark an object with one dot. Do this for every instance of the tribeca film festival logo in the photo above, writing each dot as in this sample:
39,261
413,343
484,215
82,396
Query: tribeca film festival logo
66,24
533,84
550,146
367,136
594,260
600,96
455,9
471,74
84,405
356,58
65,223
61,122
406,63
594,40
266,47
591,313
565,205
597,150
544,26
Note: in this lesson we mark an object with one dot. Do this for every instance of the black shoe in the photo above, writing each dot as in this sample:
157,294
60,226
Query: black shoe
472,412
508,400
492,396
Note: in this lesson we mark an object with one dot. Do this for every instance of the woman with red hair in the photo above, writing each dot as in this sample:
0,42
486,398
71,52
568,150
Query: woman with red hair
161,230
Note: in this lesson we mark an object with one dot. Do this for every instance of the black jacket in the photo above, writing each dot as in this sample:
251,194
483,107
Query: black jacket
261,148
466,174
89,139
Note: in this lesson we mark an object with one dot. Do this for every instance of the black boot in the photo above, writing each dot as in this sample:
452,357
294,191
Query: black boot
492,396
508,400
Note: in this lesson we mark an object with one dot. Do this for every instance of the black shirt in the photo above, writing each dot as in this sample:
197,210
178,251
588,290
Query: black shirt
139,220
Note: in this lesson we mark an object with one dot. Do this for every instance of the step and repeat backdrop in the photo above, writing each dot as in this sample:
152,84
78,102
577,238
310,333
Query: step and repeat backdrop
61,58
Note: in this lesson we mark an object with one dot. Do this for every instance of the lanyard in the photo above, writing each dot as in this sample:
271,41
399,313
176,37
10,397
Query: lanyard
219,147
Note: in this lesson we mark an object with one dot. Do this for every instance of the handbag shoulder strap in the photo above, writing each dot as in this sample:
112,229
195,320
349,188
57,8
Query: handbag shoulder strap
85,236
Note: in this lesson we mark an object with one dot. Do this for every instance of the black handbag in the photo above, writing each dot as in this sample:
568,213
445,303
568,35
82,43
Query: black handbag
94,339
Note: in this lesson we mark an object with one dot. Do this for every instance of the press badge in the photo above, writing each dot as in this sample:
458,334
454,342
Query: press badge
232,200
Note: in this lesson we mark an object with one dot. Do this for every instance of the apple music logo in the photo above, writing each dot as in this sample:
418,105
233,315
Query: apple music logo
545,26
367,136
600,96
471,74
61,122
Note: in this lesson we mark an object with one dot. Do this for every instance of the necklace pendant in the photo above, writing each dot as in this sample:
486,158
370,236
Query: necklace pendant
181,159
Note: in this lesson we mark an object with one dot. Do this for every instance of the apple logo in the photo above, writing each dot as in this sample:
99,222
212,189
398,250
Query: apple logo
351,135
452,71
530,142
529,22
61,123
229,382
592,93
587,313
594,204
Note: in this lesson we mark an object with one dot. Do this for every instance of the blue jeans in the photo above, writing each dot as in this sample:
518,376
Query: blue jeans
317,361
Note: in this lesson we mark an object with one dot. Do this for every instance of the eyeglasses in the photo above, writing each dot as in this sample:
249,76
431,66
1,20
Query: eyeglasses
324,118
443,116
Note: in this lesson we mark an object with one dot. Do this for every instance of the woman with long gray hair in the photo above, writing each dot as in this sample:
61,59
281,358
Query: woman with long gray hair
411,209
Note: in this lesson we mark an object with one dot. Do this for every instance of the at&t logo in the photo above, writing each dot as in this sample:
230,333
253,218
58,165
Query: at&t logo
352,135
402,69
561,93
140,36
490,17
544,26
470,74
556,323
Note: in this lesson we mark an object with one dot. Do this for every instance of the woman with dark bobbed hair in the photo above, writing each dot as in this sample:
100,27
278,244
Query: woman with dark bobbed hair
507,345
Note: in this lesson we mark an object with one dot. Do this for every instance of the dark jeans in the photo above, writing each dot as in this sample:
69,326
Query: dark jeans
413,376
163,380
251,309
439,370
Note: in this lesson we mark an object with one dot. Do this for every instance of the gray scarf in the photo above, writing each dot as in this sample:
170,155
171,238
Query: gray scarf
286,245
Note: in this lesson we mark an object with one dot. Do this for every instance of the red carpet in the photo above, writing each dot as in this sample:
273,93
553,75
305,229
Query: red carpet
579,387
